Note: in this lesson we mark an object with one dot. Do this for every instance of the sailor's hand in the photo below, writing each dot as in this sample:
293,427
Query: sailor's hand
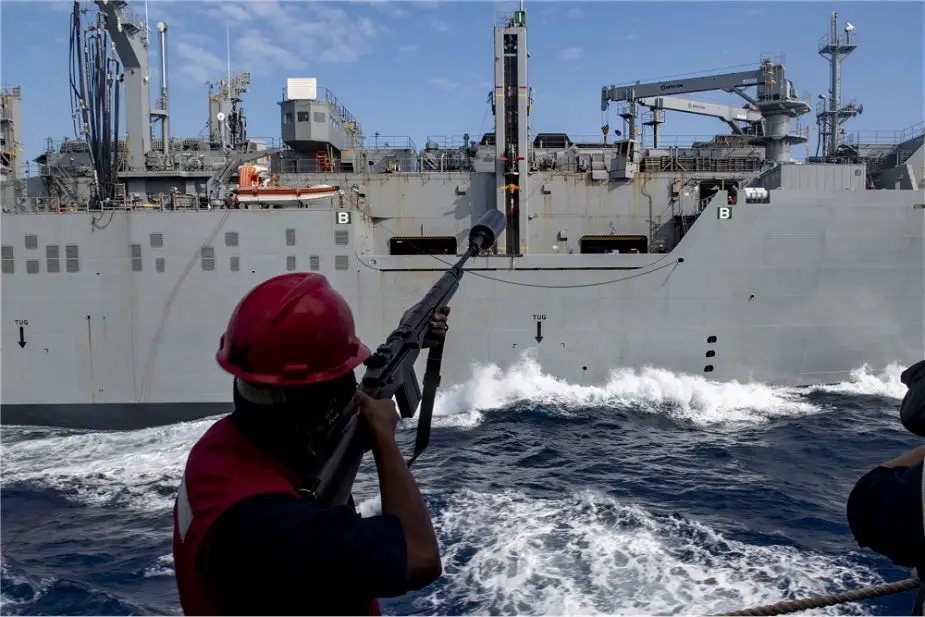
380,415
438,328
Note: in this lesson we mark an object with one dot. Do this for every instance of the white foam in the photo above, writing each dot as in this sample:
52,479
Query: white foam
688,397
132,469
106,468
162,567
865,382
588,554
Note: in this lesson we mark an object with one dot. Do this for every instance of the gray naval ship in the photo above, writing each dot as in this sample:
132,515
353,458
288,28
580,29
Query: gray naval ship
123,257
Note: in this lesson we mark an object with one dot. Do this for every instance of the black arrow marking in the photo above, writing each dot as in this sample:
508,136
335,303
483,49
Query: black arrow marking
22,337
539,331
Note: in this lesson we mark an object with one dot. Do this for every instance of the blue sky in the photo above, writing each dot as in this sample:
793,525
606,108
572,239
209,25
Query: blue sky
425,68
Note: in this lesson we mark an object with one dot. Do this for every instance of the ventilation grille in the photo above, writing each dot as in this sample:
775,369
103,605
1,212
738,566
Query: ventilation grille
207,260
53,259
72,253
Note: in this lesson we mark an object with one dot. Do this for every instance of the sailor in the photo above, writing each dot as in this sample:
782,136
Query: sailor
886,508
247,539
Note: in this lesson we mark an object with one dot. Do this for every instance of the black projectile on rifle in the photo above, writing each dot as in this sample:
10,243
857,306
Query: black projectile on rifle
390,372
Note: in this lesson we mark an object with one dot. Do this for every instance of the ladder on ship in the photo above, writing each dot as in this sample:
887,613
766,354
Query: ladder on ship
323,162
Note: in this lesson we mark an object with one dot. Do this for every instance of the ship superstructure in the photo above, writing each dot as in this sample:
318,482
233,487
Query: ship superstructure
722,258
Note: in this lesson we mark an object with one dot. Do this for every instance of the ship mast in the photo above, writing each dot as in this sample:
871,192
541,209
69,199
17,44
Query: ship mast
830,113
511,107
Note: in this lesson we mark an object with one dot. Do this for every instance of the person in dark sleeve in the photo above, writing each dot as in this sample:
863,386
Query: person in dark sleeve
247,540
885,507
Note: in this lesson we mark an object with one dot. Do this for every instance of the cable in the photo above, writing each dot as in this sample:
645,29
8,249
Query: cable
536,285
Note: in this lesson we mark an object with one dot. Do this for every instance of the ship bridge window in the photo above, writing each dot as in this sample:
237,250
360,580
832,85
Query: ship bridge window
303,116
613,244
422,245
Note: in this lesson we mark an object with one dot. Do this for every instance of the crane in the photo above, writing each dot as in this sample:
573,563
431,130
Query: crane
729,115
727,82
774,104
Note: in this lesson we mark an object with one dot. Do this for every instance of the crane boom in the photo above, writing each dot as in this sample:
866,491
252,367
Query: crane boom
727,82
729,115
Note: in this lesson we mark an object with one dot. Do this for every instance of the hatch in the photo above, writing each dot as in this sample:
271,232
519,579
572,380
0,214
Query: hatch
422,245
614,244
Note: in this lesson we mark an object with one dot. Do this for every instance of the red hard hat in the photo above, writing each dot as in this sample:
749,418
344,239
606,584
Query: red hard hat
291,330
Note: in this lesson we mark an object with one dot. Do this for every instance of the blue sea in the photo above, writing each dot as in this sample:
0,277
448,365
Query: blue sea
655,493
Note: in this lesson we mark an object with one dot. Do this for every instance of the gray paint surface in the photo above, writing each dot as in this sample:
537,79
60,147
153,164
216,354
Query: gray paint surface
798,291
816,270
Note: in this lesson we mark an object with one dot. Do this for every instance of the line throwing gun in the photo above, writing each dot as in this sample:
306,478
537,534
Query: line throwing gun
390,372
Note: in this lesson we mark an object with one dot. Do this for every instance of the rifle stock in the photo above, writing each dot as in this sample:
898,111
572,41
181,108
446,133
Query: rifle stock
390,372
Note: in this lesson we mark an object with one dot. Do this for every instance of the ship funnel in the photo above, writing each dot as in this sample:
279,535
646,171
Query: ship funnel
484,233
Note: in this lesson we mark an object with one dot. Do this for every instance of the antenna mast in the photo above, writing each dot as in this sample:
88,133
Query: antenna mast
228,51
830,113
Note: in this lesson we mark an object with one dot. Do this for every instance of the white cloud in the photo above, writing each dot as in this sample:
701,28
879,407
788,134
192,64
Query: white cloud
199,64
444,83
271,34
408,48
574,12
262,54
570,53
230,12
632,36
388,7
439,25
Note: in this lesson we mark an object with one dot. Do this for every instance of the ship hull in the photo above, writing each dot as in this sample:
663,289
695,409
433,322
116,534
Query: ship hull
796,292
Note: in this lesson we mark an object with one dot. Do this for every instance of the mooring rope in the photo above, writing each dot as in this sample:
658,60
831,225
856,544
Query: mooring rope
865,593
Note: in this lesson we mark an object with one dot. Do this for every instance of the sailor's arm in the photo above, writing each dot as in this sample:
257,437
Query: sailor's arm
908,459
885,509
400,494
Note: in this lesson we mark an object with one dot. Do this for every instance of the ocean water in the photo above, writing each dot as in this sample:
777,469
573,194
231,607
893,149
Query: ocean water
655,493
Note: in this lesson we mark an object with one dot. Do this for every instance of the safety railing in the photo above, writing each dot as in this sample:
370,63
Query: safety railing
446,142
386,142
885,137
842,38
59,205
